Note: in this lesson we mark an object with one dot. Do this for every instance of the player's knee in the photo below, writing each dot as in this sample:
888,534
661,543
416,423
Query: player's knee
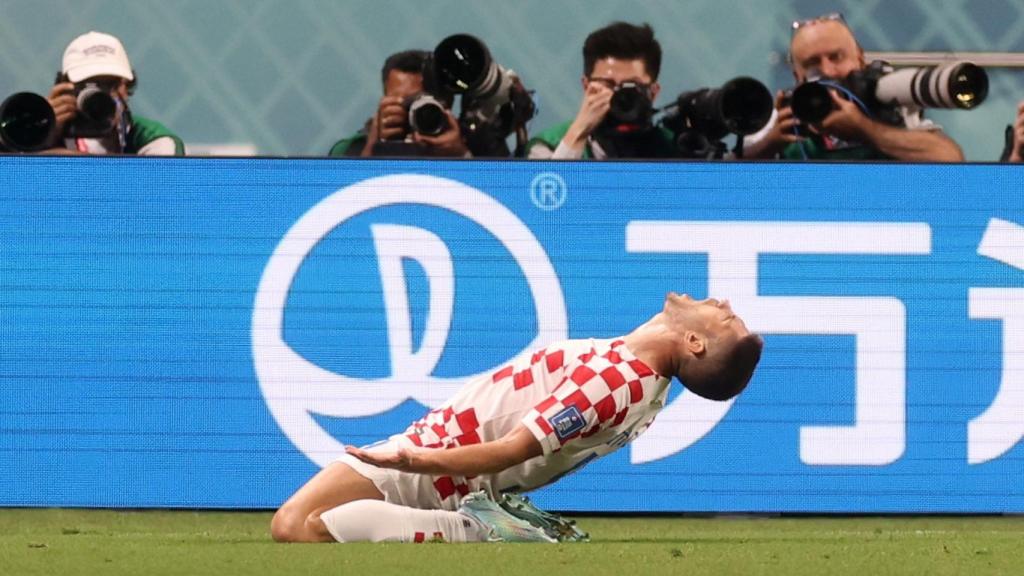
316,529
288,525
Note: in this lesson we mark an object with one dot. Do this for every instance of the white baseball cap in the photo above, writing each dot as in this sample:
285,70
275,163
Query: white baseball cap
96,54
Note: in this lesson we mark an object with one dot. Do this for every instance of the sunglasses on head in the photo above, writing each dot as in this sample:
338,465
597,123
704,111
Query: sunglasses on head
830,17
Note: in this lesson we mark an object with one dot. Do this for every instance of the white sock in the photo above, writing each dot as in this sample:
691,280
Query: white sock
379,521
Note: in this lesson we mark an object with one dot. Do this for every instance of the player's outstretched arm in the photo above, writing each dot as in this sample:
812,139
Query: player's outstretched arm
516,447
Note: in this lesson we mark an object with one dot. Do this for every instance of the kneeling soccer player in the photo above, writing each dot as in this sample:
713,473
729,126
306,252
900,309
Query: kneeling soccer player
454,475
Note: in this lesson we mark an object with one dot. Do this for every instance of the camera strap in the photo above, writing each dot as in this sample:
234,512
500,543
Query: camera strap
124,124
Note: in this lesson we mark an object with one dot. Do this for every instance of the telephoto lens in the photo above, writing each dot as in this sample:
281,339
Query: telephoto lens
26,122
462,64
97,104
960,85
97,111
427,115
493,98
811,102
880,89
741,106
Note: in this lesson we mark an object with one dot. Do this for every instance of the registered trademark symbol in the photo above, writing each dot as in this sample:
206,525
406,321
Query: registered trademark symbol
548,191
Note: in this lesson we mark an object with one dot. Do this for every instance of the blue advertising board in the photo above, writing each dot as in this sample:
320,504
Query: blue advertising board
210,332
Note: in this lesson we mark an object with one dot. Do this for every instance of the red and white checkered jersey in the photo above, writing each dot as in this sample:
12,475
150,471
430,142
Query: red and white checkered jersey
581,399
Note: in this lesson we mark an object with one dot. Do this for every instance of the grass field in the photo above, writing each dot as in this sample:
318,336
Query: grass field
143,543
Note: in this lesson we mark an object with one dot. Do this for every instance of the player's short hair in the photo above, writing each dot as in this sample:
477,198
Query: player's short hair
408,61
726,367
623,40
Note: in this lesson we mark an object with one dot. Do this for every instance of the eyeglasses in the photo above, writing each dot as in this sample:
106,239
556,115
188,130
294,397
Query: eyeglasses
612,85
830,17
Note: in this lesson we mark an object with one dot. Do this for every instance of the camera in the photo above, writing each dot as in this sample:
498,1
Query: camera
494,102
630,109
956,85
26,122
427,114
810,101
879,90
701,118
97,111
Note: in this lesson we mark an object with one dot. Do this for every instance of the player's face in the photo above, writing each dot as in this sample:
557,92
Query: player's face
828,47
710,316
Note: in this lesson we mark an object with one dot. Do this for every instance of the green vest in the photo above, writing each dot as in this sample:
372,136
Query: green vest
815,149
145,131
351,146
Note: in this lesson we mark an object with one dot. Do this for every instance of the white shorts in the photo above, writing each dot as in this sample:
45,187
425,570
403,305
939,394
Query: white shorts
407,489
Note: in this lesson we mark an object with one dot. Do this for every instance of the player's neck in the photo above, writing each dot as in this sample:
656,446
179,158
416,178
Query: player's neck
654,343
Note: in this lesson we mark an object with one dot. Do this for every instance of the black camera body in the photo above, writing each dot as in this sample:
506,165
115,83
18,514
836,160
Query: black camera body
630,110
426,114
26,123
97,108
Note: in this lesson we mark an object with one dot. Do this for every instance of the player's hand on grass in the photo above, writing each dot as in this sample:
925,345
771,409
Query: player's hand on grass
401,460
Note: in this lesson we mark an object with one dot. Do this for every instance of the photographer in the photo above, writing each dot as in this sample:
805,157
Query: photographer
90,101
620,84
1014,150
825,47
402,78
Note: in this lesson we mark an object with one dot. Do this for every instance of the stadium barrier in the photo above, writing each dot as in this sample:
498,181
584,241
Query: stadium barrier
208,332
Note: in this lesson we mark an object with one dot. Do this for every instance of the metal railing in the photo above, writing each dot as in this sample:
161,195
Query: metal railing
983,59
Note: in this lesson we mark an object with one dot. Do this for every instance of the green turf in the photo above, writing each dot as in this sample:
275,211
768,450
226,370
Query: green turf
84,542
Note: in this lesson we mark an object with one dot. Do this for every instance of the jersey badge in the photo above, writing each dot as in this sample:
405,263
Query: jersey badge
567,422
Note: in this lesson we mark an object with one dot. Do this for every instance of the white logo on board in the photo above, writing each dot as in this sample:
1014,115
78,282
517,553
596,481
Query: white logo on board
295,388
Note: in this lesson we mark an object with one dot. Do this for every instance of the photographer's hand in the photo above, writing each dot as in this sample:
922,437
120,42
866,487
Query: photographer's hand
65,107
849,123
846,121
1017,153
392,119
596,102
779,136
448,143
372,137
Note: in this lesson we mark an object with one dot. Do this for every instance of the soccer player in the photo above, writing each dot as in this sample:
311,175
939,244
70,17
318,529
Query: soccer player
528,424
